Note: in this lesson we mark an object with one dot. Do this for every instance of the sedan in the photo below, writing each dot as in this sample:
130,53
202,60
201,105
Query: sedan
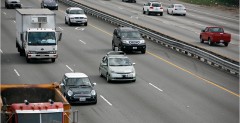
177,9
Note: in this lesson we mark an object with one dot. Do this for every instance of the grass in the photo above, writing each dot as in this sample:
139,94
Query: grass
228,3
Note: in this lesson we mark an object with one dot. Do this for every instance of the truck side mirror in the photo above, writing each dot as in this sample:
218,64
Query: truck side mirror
59,35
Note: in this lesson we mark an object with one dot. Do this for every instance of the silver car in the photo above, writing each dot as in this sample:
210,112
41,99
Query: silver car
116,66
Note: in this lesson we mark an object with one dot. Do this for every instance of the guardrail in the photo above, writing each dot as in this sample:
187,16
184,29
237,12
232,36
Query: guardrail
204,55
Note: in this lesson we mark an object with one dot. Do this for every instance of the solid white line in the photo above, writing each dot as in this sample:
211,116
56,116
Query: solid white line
60,28
155,87
4,13
1,51
16,72
14,21
69,68
105,100
82,41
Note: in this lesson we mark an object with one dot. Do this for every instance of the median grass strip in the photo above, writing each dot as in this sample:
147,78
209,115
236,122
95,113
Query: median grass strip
228,3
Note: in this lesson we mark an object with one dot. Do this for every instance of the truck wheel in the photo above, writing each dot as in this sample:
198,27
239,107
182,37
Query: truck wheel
53,60
210,43
226,44
201,40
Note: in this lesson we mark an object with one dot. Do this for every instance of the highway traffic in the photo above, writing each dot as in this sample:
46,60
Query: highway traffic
169,88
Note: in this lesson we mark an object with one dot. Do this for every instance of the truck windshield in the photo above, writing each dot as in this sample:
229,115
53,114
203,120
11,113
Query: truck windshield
41,38
41,118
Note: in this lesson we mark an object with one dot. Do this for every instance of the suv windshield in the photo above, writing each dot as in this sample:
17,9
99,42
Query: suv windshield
78,81
76,12
119,62
41,38
131,34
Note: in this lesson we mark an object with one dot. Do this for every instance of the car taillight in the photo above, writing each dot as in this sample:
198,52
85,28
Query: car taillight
151,7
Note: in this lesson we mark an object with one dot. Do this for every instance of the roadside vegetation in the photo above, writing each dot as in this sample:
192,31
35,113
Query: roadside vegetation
228,3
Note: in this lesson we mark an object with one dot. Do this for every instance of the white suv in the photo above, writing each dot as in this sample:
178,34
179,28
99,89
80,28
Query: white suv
75,15
153,7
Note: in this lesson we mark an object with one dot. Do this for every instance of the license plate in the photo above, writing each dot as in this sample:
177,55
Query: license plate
82,99
124,76
134,47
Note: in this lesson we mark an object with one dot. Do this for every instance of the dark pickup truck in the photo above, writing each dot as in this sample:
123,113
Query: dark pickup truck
215,35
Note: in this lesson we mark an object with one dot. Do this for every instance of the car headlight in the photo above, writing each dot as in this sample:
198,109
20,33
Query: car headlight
142,41
44,4
70,93
93,93
125,42
56,5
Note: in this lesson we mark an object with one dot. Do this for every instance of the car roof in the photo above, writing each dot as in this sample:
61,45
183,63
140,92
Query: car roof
74,8
75,75
127,29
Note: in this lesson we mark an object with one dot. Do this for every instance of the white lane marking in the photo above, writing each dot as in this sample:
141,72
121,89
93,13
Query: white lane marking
16,72
60,28
155,87
1,51
82,41
14,21
79,28
4,13
106,100
69,68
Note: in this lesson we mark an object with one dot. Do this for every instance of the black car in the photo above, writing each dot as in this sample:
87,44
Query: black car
128,39
50,4
77,89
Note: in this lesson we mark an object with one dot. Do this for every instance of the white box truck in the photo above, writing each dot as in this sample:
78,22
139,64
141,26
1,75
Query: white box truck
37,37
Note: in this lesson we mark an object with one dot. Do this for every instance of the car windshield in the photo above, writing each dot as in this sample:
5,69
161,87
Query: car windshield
216,29
130,34
119,62
78,81
76,12
41,38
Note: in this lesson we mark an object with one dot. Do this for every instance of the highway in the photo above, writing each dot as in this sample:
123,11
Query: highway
170,87
185,28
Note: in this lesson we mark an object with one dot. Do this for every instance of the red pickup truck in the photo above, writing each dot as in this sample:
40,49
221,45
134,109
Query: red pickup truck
215,35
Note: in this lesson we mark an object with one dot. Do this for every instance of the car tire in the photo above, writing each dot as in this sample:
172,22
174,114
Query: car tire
210,43
147,12
28,60
95,102
143,12
107,77
134,80
100,73
201,40
53,60
66,21
226,44
143,51
69,22
161,14
113,46
85,24
184,14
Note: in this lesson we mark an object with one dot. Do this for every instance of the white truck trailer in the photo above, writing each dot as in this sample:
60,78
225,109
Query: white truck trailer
37,37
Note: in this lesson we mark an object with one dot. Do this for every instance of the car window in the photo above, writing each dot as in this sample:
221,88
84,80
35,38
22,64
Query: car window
179,6
156,5
78,81
119,62
216,29
76,12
